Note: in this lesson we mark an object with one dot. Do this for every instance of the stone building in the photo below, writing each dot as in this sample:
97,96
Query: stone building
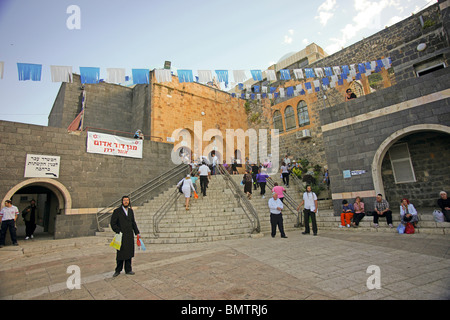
392,139
418,48
167,112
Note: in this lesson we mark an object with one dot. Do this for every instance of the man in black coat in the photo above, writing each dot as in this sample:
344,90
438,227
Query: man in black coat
122,220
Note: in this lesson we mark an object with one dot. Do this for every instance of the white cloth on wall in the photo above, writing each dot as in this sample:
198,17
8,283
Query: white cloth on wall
282,95
204,76
298,73
115,75
319,72
337,70
239,76
61,73
271,75
163,75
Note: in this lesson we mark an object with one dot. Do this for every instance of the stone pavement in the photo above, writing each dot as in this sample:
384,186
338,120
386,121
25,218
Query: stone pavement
330,266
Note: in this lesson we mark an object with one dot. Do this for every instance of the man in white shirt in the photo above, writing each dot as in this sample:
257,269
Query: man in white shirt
215,161
310,209
8,216
276,218
204,174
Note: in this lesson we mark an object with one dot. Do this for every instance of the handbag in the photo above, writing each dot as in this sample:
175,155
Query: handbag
409,229
116,242
181,186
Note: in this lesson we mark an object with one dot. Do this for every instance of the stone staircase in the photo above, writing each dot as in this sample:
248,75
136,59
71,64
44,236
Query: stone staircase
218,216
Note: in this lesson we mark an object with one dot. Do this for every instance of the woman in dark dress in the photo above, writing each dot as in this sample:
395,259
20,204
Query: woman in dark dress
247,179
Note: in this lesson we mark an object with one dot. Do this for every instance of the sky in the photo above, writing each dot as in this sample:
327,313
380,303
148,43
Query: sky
192,34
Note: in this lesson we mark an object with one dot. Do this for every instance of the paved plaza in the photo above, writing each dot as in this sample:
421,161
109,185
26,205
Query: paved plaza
331,266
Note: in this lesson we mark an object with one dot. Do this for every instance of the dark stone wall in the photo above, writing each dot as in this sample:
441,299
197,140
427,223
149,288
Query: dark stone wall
353,147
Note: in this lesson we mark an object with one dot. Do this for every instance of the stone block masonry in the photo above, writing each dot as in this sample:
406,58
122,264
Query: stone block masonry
91,181
358,138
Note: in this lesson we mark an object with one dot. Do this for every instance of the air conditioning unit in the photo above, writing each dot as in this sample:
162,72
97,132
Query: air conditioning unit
306,133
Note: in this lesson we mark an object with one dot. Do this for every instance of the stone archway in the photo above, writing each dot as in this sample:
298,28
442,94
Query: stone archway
61,192
389,141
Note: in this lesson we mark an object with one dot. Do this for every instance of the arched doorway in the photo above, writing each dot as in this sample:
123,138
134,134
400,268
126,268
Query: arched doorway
52,199
408,164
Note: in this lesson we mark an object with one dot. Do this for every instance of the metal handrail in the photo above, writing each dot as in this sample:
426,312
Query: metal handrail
289,203
167,205
139,195
247,207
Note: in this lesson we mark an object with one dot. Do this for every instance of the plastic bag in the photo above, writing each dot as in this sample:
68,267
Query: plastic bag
195,195
438,216
401,228
140,243
116,242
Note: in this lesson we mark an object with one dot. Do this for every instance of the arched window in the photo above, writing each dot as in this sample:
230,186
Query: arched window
302,113
289,118
357,88
277,121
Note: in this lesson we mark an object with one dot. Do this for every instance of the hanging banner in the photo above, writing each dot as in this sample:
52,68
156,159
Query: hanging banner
114,145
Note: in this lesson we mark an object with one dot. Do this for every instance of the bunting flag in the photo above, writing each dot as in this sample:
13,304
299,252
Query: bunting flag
77,123
140,76
204,76
115,75
29,71
271,75
298,73
321,77
61,73
89,75
163,75
256,74
185,76
285,74
222,76
239,76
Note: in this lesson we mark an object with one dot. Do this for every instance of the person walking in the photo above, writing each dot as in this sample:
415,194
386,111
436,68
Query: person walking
204,173
279,190
310,209
261,177
276,217
122,220
29,215
8,216
186,188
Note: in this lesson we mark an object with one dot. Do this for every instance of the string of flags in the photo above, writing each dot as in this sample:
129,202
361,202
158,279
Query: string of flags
323,77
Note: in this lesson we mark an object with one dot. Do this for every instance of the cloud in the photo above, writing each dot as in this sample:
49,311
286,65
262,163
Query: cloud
287,40
324,11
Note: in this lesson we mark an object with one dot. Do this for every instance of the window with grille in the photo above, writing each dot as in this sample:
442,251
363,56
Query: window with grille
278,121
302,113
401,163
289,118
